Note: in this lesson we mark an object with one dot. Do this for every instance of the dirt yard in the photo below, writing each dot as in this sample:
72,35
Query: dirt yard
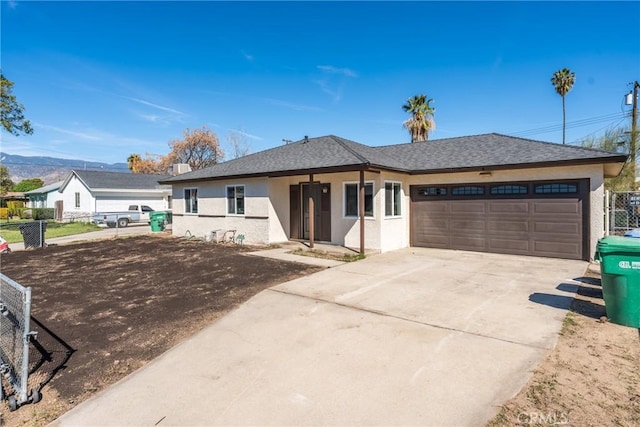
104,309
591,378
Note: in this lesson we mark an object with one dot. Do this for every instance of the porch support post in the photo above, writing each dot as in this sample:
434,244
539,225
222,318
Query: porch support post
361,209
312,212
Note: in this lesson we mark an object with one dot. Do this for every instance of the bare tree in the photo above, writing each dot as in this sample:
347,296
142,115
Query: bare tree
238,143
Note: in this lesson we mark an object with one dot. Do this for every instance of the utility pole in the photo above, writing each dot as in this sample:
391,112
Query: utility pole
634,124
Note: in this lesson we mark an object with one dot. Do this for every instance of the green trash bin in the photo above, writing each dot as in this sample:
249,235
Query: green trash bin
620,271
157,220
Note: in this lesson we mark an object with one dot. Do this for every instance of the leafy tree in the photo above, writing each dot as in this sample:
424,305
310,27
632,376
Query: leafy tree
5,181
421,121
151,164
615,140
11,111
563,81
200,148
28,185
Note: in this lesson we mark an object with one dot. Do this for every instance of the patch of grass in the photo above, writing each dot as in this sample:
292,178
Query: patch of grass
328,255
501,419
11,231
569,324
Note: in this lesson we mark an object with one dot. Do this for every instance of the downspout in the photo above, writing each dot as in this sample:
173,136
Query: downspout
312,212
361,209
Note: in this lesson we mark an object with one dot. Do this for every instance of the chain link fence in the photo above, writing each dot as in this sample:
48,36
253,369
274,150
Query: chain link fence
15,335
622,212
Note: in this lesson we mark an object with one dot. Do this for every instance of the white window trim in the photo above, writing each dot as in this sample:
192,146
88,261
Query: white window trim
189,201
77,200
384,204
344,199
226,200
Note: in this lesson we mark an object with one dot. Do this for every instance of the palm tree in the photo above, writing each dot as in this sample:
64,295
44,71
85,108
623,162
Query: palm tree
133,161
563,81
421,121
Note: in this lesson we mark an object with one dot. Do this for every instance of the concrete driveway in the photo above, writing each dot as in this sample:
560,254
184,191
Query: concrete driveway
412,337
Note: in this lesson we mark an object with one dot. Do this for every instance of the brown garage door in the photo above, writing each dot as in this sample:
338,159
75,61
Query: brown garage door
541,218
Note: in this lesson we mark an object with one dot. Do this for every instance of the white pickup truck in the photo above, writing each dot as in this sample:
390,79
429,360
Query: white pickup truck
135,214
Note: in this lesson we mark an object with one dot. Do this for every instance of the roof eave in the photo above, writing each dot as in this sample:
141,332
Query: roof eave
292,172
574,162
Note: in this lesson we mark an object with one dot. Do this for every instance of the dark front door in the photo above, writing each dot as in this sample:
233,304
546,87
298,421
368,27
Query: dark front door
300,213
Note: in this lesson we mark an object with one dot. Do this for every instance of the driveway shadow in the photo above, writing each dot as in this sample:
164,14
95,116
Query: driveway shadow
556,301
593,281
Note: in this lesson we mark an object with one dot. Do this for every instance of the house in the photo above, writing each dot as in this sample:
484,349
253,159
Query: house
491,192
45,197
86,192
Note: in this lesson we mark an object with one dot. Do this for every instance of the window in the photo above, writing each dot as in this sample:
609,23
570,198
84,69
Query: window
555,188
509,189
351,195
433,191
77,200
392,198
191,200
235,200
467,190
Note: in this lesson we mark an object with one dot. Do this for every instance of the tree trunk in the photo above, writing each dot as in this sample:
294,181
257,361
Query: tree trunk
564,121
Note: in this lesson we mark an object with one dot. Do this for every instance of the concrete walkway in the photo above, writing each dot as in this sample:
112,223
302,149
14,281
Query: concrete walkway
412,337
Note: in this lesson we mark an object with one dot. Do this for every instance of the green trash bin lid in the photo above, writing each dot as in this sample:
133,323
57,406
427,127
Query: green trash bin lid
618,244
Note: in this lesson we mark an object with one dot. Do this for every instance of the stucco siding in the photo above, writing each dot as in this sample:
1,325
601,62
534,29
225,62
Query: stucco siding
267,206
212,210
394,230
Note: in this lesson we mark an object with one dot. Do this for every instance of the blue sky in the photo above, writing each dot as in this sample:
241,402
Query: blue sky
102,80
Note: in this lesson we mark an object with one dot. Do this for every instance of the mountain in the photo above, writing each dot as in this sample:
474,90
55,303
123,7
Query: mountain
51,169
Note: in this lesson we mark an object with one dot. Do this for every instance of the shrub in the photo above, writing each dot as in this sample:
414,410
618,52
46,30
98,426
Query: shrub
4,213
43,213
13,206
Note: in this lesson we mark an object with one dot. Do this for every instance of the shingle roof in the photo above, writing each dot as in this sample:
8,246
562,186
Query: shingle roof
489,150
332,152
45,189
98,180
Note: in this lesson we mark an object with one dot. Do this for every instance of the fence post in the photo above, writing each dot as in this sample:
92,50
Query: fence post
607,212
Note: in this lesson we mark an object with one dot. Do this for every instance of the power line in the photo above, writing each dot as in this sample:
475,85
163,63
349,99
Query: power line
573,124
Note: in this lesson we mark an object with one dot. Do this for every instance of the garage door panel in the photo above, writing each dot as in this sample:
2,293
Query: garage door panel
434,223
509,245
557,207
533,224
570,228
436,241
509,207
462,225
434,207
467,207
557,249
501,226
468,242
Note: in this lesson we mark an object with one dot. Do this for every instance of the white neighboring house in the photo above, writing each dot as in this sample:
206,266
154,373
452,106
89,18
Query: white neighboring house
86,192
45,197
